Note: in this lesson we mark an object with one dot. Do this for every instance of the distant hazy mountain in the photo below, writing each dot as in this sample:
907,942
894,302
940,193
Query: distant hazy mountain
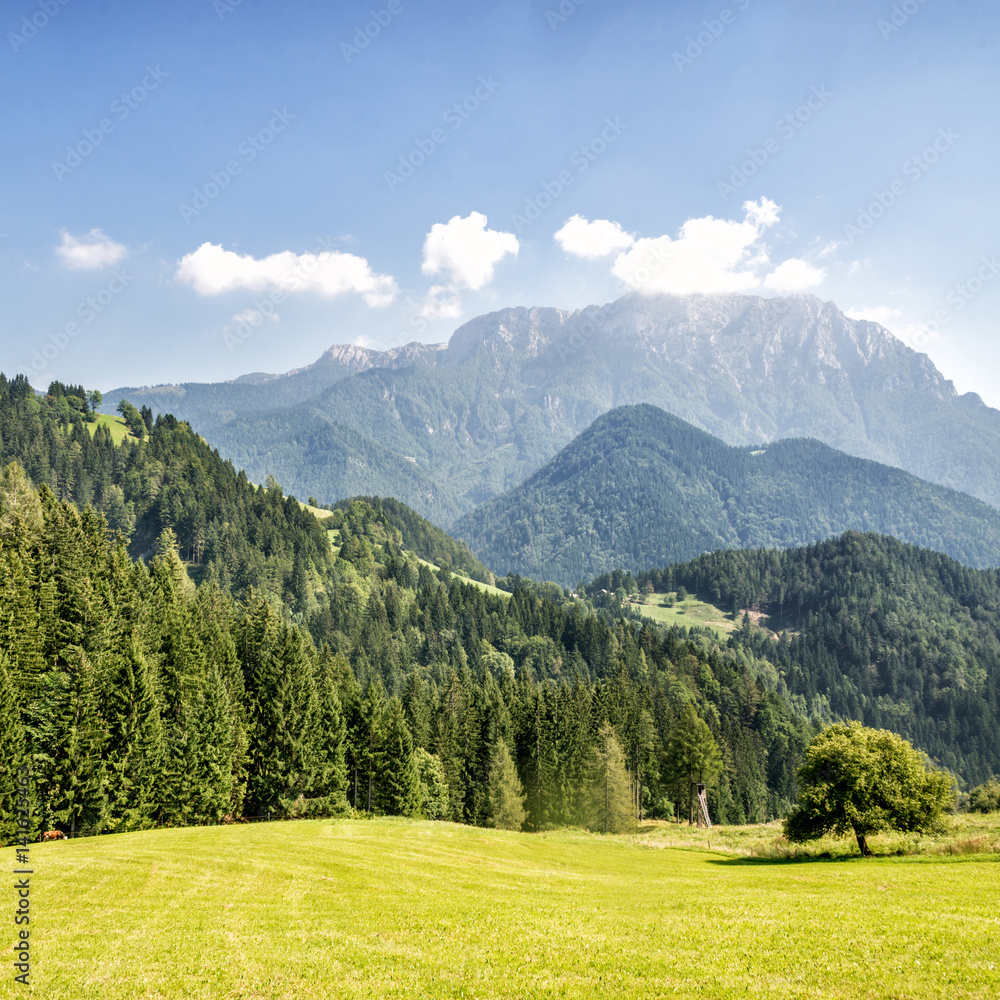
211,402
447,428
641,488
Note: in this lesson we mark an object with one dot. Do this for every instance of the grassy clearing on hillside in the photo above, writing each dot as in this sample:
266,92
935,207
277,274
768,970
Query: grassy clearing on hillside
318,512
114,424
687,613
489,588
396,908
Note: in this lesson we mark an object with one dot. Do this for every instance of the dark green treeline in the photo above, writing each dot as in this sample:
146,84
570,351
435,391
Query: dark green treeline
140,700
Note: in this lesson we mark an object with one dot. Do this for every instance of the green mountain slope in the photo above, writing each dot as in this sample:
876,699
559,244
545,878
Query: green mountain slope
418,535
138,700
226,528
642,488
875,630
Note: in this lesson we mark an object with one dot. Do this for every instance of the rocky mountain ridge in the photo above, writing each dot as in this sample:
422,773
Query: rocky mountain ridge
473,418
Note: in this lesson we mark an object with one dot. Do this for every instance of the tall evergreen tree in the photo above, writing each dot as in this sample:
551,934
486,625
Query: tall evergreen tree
505,793
12,753
134,751
370,741
398,780
67,738
611,807
692,756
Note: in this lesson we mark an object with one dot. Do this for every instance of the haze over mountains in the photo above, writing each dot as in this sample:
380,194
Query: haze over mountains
446,428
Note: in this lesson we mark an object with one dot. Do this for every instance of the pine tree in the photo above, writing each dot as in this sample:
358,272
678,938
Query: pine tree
691,756
67,739
434,801
611,809
505,794
398,780
134,750
12,753
370,741
334,729
287,756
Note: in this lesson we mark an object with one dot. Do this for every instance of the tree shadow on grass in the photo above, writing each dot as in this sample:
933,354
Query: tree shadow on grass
797,860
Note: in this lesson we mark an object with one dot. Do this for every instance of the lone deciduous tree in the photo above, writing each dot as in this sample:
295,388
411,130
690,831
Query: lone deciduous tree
862,781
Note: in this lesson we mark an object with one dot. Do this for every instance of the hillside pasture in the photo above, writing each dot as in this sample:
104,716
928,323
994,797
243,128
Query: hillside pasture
115,424
687,613
401,908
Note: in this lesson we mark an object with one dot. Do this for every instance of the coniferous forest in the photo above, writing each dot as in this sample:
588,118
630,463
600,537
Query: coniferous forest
180,646
867,627
369,680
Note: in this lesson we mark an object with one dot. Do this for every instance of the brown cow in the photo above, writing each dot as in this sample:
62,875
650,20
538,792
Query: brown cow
54,835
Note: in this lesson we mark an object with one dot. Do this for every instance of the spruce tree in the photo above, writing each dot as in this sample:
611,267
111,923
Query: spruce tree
67,738
370,741
434,800
397,784
12,753
211,778
134,750
691,756
287,756
334,729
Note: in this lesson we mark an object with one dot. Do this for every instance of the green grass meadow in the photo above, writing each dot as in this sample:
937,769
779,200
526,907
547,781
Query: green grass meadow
687,613
119,432
400,908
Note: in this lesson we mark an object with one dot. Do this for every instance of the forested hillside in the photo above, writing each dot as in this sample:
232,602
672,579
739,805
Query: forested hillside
418,535
642,488
226,528
871,629
141,700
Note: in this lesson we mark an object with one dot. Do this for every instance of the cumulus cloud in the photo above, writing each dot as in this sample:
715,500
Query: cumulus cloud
592,240
89,252
465,251
794,275
211,270
441,302
709,255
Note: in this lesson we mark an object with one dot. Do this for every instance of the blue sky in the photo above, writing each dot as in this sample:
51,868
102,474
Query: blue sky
202,189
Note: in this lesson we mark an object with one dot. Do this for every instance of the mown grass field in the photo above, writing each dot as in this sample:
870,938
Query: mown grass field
397,908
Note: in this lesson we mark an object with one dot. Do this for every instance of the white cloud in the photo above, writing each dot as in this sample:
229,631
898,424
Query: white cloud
254,317
466,251
592,240
86,253
441,302
210,270
793,275
709,255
